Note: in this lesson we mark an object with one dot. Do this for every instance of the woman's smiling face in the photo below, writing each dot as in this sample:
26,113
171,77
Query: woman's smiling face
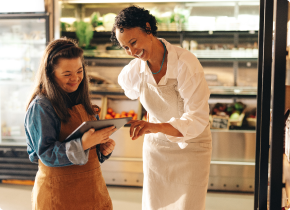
135,42
69,74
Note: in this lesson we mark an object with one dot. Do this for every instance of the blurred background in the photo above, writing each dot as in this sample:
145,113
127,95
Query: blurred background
223,35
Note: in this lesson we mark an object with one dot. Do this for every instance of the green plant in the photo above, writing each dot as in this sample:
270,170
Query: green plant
95,19
84,32
64,26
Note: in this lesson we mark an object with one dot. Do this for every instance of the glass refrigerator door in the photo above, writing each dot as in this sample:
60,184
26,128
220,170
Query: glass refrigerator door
22,42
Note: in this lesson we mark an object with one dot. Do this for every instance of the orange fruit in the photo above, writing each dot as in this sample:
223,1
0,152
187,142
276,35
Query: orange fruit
124,113
113,114
110,110
108,116
117,115
131,112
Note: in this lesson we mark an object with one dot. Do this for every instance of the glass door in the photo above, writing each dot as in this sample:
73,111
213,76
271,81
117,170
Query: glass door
23,39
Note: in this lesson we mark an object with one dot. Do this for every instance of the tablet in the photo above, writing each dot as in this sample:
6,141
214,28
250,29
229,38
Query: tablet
97,125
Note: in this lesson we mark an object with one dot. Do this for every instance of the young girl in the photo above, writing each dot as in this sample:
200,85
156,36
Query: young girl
69,174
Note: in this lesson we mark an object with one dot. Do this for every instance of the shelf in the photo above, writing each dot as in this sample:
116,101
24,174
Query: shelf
101,34
232,96
216,91
233,130
13,82
17,112
106,90
106,93
226,54
29,42
13,141
233,91
107,61
13,137
103,37
9,144
229,59
37,15
115,60
122,60
213,162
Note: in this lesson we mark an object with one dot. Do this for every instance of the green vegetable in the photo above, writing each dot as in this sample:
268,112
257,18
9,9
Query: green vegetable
229,109
234,116
84,32
64,26
239,106
177,18
95,19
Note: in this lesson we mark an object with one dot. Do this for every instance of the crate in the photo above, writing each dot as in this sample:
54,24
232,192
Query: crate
121,104
238,122
251,121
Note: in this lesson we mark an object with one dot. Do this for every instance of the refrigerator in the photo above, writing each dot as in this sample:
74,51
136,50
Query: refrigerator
23,38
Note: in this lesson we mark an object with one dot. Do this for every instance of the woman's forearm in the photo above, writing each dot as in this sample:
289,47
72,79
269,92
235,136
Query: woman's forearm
168,129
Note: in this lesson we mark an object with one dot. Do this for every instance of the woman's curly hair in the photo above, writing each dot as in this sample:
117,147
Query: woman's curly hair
132,17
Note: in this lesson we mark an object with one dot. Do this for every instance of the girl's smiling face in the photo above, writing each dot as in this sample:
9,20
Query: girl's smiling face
69,74
135,42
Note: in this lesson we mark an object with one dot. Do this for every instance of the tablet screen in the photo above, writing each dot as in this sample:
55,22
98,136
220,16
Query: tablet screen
97,125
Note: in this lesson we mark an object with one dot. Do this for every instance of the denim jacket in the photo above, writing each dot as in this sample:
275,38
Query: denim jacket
42,128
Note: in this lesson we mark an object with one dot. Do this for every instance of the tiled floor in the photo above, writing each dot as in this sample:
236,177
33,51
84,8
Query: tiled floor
17,197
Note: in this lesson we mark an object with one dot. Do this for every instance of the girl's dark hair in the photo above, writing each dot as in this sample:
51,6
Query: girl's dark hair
132,17
46,84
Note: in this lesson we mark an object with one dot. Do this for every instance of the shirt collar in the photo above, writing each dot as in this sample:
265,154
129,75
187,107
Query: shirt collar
172,62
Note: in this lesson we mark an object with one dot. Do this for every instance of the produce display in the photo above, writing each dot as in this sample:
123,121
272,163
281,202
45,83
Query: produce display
84,32
111,114
252,113
232,110
251,117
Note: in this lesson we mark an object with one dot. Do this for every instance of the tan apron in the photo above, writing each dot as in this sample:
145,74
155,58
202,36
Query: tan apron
174,178
71,187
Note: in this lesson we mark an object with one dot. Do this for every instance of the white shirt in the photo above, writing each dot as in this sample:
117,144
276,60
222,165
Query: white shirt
192,86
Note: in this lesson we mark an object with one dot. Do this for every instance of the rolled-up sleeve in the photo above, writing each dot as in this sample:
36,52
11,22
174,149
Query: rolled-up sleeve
129,79
194,91
75,152
42,128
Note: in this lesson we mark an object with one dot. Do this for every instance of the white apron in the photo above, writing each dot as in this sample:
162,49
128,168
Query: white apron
174,178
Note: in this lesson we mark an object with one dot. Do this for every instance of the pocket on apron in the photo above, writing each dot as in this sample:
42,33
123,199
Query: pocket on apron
85,190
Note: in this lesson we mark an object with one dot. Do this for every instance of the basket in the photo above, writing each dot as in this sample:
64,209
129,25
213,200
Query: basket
251,121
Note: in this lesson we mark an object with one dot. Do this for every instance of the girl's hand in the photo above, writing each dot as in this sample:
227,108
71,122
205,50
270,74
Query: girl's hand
92,137
107,147
140,127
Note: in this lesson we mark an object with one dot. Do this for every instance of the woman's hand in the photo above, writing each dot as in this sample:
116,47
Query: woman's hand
107,147
140,127
92,137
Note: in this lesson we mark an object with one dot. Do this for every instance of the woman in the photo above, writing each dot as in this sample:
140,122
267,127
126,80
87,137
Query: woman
69,174
170,83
